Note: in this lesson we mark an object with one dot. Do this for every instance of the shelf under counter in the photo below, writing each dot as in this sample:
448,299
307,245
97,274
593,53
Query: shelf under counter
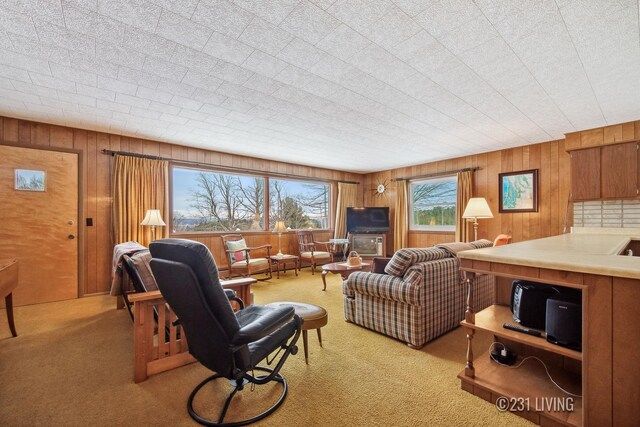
529,381
493,317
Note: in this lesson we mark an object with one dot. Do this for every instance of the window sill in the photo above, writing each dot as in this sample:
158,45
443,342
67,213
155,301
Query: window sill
431,232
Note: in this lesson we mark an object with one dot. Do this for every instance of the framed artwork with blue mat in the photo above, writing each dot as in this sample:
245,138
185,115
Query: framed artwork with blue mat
518,191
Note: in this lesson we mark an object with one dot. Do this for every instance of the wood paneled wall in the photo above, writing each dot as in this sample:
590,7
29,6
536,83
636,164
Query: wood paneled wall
554,187
613,134
96,185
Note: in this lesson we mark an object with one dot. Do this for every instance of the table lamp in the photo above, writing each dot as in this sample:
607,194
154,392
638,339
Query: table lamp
279,228
477,207
153,219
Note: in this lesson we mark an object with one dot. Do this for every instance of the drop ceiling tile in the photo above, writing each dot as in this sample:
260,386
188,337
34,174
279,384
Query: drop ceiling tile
263,84
331,68
468,36
46,9
93,65
176,88
222,16
28,87
446,15
87,4
148,43
36,49
309,23
132,101
154,95
202,80
52,82
214,110
56,35
74,98
18,23
139,13
15,74
272,11
227,48
392,29
73,74
187,103
193,59
301,54
143,112
141,78
185,8
14,95
116,54
343,42
359,14
164,108
323,4
230,72
91,23
162,68
381,64
262,35
182,30
95,92
236,105
117,85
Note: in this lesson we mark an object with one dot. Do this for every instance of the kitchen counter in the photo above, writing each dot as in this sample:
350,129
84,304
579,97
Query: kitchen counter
577,252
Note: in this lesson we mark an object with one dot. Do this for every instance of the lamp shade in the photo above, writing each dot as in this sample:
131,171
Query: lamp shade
477,207
280,227
153,217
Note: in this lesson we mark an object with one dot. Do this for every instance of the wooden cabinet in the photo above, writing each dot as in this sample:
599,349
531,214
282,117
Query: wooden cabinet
585,174
609,172
619,171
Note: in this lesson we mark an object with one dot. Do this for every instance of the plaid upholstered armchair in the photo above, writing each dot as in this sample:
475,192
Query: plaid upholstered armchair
420,295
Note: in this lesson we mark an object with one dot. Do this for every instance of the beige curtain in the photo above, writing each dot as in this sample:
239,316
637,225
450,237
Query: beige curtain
401,219
465,192
347,198
139,184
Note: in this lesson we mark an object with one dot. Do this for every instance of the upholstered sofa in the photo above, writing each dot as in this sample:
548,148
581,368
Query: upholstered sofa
420,296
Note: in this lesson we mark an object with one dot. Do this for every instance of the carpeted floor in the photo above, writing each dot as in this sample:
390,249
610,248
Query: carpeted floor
72,365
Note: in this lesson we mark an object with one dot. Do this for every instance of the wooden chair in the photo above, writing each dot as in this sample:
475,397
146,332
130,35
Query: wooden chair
502,239
309,251
240,259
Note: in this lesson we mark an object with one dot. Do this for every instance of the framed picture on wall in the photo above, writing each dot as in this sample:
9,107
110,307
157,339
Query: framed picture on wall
518,191
30,180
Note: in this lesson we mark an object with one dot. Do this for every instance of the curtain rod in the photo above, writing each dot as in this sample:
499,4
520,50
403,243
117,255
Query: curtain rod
431,175
225,168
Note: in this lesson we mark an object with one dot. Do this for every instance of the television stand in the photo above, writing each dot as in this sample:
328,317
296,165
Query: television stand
368,245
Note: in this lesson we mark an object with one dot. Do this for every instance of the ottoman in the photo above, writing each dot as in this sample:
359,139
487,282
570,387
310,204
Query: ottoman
313,316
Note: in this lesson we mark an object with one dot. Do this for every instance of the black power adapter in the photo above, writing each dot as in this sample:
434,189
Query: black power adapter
503,356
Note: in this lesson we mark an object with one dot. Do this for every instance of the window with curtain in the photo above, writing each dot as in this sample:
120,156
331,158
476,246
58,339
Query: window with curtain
207,201
432,204
300,204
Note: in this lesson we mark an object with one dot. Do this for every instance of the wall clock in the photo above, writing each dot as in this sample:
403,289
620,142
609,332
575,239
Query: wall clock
380,188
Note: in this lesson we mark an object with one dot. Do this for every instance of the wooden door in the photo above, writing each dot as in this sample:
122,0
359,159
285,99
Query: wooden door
585,174
40,228
619,171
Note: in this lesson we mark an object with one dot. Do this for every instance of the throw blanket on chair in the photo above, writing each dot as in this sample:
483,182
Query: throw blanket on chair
119,250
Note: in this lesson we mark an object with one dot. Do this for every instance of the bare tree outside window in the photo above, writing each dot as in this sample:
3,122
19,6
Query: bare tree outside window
433,204
299,204
206,201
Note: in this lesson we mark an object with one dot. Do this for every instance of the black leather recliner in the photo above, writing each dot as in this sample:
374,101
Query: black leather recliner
230,344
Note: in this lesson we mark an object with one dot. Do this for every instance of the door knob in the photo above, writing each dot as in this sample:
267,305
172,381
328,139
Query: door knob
71,236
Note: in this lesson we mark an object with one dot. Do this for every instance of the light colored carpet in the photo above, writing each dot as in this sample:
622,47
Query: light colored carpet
72,365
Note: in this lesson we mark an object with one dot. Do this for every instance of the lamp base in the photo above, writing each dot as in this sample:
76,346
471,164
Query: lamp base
279,255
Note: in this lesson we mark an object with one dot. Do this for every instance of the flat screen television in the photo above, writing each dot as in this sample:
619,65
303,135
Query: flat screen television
367,220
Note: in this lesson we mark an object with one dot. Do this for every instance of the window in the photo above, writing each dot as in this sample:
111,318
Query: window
299,204
206,201
433,204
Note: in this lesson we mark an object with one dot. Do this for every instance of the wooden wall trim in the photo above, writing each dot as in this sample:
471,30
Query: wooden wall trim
95,184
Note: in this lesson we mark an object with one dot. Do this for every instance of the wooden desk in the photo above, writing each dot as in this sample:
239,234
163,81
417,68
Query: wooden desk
8,282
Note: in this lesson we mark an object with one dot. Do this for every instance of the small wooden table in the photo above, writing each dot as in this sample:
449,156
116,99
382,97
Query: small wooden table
283,260
342,269
8,282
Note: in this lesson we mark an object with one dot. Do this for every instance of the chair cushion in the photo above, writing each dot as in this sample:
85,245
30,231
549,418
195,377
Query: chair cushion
141,261
316,254
236,246
254,262
405,258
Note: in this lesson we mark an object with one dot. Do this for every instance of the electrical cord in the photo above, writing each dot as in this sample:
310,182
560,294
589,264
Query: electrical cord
524,360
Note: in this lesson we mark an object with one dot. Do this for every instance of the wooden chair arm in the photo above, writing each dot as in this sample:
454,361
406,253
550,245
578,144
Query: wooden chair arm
145,296
237,250
307,244
261,247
